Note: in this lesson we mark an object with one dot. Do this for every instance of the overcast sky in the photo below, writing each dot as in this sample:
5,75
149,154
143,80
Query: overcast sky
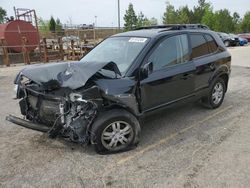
84,11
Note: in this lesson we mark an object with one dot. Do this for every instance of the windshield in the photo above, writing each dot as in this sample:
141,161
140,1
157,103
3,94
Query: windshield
120,50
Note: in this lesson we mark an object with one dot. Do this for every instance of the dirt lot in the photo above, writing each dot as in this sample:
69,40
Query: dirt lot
185,147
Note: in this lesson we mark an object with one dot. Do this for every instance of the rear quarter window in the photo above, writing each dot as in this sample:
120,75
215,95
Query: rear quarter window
212,45
199,45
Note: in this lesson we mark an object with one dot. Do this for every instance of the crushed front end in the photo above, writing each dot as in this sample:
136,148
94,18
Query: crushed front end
59,111
57,99
63,99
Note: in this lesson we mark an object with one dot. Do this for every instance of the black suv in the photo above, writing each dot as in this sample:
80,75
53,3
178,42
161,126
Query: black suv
102,98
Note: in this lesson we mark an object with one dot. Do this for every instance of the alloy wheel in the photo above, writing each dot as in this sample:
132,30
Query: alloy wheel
117,135
218,93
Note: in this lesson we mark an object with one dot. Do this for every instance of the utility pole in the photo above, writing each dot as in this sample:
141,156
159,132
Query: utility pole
95,21
95,29
119,23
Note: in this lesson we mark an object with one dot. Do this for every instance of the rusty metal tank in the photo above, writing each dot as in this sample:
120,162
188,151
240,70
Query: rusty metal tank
13,33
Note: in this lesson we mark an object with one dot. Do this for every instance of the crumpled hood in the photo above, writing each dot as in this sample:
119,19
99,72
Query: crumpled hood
68,74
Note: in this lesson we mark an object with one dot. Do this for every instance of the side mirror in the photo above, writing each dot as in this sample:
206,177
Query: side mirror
146,70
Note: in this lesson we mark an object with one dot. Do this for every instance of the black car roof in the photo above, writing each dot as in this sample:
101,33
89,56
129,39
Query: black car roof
148,33
152,33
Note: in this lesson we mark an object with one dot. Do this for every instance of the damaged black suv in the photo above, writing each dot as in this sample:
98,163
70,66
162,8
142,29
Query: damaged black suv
102,98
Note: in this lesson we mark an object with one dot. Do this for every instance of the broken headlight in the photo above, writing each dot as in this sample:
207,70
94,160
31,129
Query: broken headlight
15,94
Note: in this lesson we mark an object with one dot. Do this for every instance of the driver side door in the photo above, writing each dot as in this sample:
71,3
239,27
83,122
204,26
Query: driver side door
172,77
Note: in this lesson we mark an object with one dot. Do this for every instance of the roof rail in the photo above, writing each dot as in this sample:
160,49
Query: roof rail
176,27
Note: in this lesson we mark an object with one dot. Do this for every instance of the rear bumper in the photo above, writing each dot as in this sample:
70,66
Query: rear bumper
234,42
27,124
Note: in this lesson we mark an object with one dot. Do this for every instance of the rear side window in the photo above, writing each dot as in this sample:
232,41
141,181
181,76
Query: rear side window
199,45
211,44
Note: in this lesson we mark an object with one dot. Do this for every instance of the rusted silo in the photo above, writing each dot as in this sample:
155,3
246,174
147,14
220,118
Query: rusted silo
14,31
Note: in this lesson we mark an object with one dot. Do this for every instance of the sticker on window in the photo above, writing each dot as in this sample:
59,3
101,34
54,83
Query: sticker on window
138,40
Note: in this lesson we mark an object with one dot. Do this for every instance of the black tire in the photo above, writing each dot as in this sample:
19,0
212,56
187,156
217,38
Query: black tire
209,100
104,121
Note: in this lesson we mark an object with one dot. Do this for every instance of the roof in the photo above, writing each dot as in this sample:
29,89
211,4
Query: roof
153,31
148,33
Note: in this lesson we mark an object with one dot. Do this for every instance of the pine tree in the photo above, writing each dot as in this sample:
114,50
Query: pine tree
130,18
140,20
52,24
58,26
170,15
2,14
245,25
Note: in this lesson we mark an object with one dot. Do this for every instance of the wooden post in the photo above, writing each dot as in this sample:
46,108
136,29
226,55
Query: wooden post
46,58
26,57
73,50
6,59
61,52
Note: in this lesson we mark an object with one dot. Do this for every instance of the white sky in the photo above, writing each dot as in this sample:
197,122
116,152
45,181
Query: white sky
84,11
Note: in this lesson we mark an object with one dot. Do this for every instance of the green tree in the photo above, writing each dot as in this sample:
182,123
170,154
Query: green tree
245,25
236,22
58,28
146,22
2,14
141,20
153,21
43,26
199,11
236,17
52,24
170,15
208,17
130,18
184,15
223,21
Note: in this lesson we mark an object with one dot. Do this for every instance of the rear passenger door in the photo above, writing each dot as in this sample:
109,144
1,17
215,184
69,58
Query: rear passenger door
173,73
204,50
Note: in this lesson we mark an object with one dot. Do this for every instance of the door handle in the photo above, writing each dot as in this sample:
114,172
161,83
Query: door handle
186,76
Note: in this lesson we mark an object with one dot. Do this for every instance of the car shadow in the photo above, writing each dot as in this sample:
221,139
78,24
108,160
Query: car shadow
154,127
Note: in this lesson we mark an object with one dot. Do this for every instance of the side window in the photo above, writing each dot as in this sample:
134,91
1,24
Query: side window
199,45
171,51
211,44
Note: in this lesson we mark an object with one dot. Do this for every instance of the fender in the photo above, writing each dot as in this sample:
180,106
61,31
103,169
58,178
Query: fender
125,101
222,70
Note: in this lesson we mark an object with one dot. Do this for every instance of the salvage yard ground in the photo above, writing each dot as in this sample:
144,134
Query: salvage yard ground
188,146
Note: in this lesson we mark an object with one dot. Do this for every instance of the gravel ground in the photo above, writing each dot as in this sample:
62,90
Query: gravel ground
188,146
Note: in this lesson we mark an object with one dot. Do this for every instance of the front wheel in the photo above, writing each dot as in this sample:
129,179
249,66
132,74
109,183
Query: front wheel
115,131
216,94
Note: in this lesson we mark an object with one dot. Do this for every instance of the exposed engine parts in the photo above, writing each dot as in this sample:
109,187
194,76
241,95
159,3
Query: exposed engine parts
74,119
65,100
79,118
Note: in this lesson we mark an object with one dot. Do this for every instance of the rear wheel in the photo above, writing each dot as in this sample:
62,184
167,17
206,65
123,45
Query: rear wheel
216,94
115,131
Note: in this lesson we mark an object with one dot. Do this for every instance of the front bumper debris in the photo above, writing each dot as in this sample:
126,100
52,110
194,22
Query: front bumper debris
27,124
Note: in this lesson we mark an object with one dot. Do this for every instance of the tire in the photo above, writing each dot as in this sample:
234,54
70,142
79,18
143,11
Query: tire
216,94
117,126
227,43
